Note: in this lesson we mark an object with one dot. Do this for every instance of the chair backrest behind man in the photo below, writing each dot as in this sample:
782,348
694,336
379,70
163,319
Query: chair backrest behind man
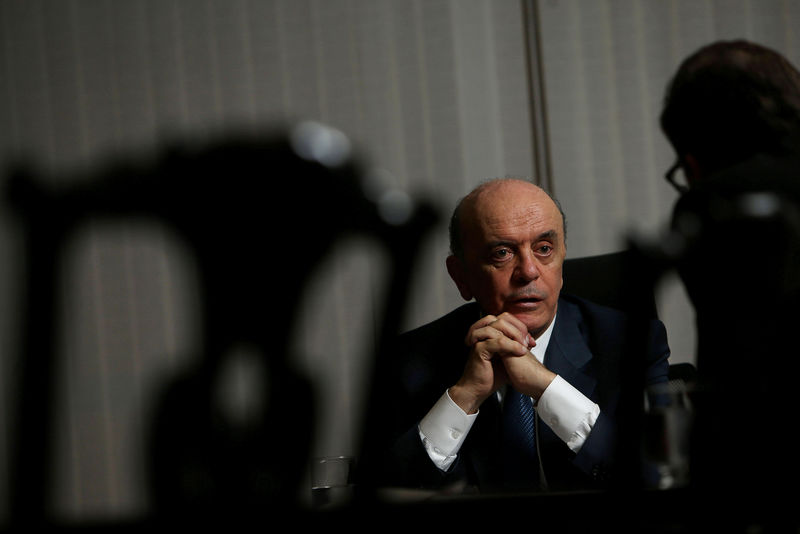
602,279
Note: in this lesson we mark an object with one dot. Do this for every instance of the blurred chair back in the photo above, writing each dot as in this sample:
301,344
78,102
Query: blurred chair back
230,200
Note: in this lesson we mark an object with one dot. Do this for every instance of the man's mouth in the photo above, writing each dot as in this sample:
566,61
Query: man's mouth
526,302
527,295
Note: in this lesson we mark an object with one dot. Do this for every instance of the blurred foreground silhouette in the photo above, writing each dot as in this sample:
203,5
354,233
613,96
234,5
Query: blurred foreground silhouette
241,205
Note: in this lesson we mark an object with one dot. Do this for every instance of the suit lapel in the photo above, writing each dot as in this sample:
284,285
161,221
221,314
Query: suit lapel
568,353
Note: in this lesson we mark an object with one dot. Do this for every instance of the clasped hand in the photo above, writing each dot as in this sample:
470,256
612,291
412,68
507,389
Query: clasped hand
500,354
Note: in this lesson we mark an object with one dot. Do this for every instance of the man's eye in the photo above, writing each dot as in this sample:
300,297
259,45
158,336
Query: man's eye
544,250
501,254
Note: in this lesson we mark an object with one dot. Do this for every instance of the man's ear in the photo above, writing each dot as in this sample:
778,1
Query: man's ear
455,268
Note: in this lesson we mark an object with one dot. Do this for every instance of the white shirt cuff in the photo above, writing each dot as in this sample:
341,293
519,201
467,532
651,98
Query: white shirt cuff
568,412
443,431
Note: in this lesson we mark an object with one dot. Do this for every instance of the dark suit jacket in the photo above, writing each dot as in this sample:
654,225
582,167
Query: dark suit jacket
586,349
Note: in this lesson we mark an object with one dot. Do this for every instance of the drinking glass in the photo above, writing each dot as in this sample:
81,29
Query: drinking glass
331,481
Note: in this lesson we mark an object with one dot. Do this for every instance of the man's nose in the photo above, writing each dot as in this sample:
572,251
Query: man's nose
527,268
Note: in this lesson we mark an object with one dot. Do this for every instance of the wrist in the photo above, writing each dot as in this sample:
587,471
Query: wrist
465,398
542,383
534,384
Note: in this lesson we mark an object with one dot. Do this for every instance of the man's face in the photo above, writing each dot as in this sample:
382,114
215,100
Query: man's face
514,248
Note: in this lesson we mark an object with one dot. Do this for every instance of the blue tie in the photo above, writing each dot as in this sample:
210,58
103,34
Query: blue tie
519,446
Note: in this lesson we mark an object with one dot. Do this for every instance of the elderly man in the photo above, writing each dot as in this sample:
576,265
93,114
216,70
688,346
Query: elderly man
553,358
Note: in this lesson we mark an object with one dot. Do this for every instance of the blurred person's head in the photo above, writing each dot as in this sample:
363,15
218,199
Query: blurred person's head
729,101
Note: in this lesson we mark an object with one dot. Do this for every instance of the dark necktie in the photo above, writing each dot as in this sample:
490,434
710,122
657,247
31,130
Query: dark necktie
519,446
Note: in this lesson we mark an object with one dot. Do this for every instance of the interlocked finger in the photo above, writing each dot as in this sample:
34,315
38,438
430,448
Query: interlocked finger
506,325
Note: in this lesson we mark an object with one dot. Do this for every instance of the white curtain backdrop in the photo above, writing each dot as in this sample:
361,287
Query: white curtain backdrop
437,95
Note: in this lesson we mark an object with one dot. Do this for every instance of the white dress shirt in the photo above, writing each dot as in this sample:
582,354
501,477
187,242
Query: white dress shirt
569,413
